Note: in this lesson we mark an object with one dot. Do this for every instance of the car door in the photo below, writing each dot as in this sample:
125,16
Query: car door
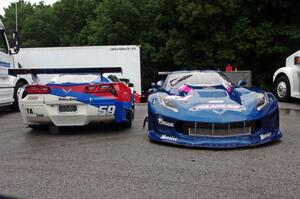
6,60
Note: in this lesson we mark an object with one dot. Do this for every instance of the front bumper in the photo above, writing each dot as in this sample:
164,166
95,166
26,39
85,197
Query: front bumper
215,142
168,130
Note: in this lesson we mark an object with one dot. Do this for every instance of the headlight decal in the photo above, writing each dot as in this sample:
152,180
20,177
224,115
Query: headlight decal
167,103
262,100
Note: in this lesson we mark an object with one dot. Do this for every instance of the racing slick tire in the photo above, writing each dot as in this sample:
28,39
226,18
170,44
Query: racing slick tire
130,117
282,89
37,127
15,105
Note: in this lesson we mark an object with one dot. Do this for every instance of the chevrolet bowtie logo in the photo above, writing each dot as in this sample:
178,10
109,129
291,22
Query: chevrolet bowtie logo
66,91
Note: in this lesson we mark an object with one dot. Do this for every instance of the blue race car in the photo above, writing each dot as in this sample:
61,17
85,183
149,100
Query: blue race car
206,109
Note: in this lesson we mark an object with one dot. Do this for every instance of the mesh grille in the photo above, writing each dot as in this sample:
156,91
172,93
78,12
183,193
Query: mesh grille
217,129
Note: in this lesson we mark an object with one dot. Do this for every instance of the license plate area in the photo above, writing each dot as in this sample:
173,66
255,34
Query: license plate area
67,109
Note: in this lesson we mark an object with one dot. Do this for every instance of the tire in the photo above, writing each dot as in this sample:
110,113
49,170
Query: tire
37,127
130,116
15,105
282,88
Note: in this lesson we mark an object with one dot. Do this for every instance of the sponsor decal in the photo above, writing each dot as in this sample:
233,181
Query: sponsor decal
33,98
122,48
67,98
170,138
216,101
218,108
265,135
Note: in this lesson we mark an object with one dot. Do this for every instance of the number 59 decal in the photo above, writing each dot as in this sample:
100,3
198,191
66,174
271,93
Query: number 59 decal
107,110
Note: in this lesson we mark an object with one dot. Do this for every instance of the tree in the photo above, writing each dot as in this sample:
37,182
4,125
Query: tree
255,35
25,9
39,29
72,17
117,23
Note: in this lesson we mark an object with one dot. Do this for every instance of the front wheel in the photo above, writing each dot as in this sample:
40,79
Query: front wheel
282,89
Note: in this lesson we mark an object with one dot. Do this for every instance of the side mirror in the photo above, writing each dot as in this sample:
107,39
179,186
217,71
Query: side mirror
130,85
157,85
242,83
16,41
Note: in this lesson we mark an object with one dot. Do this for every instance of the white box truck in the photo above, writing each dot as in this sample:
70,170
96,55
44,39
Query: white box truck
9,84
286,80
125,56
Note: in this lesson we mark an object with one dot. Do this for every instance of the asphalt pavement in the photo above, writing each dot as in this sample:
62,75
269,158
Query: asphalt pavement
113,162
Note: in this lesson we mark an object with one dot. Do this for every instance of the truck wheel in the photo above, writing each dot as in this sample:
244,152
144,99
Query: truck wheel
282,89
15,105
36,127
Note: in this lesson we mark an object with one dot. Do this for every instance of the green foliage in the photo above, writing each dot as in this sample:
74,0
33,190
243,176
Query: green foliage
174,34
39,29
72,18
25,9
117,23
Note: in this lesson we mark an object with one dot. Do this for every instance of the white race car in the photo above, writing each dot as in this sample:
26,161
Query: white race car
75,99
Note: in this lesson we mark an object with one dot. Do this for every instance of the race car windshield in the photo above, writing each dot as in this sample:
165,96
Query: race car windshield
207,79
75,78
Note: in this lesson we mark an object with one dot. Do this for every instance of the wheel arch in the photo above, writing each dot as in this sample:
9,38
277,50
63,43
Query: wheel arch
277,77
288,72
23,80
15,105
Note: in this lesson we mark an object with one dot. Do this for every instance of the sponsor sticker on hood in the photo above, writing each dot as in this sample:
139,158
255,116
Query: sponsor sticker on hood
224,107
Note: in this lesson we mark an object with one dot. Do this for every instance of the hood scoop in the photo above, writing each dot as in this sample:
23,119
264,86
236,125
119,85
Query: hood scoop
212,93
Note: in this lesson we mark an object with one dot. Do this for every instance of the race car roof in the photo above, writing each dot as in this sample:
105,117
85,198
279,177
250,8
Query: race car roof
186,71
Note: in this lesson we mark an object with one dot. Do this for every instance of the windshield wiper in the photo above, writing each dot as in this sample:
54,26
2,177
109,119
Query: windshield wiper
179,80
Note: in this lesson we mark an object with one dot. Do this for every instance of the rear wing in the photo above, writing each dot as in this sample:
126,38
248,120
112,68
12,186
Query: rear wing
36,71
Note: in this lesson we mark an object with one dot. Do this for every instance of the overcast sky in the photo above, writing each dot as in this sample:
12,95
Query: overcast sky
6,3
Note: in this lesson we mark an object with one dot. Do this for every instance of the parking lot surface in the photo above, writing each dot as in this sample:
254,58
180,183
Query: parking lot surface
113,162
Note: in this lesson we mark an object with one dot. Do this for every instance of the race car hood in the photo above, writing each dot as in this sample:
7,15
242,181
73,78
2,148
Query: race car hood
219,104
